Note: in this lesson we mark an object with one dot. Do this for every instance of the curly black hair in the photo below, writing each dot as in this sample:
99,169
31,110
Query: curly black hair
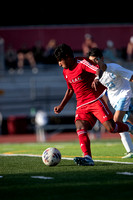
62,51
96,52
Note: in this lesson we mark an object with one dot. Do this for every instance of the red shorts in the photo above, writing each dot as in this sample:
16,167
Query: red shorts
93,111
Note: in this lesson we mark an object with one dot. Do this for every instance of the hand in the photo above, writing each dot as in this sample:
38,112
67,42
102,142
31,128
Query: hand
58,109
94,84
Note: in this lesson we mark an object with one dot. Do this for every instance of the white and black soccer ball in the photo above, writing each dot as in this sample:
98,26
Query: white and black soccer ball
51,156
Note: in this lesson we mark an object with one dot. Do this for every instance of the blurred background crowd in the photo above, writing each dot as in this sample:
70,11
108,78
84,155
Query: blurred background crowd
17,59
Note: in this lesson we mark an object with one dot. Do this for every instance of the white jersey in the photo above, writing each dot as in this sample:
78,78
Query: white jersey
116,79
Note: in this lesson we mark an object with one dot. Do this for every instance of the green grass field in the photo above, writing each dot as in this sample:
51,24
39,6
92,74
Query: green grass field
69,181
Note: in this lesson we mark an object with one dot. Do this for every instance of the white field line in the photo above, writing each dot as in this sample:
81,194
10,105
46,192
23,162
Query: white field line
125,173
65,158
25,155
105,161
42,177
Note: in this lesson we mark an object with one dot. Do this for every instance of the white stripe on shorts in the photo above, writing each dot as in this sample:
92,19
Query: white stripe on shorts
104,106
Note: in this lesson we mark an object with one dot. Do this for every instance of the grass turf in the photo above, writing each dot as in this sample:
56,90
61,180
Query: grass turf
69,181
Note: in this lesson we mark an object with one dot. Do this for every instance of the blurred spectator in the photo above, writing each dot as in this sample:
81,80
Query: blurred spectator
38,52
1,119
2,54
25,57
11,58
49,52
41,119
88,44
130,49
110,53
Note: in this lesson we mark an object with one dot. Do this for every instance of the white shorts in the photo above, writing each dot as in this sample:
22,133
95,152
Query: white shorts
123,104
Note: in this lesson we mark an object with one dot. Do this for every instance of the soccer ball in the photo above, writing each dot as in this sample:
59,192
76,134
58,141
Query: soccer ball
51,156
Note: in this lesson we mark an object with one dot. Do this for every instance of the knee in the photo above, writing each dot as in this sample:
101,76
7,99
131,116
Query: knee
110,126
79,125
78,128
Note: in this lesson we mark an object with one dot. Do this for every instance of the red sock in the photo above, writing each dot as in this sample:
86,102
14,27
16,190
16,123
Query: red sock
120,127
84,142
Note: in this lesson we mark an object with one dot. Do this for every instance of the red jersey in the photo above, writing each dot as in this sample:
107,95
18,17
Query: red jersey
80,79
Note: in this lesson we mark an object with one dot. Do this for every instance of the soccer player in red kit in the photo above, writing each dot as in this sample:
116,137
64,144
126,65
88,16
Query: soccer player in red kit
82,77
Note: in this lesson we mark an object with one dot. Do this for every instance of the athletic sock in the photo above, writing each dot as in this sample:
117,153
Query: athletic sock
127,142
84,142
120,127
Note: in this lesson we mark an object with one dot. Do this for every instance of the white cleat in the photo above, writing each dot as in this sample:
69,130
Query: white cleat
128,155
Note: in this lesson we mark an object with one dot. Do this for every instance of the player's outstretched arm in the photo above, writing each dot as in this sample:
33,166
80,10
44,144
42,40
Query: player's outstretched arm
67,97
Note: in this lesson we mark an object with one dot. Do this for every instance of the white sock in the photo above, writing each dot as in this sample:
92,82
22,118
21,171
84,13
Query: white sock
127,142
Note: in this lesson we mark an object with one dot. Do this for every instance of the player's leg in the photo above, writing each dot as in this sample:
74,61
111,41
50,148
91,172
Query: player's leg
121,108
127,143
129,115
115,127
105,116
123,116
125,136
130,118
118,115
84,122
82,127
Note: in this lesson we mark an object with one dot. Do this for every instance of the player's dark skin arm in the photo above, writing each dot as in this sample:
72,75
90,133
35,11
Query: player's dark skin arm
67,97
99,73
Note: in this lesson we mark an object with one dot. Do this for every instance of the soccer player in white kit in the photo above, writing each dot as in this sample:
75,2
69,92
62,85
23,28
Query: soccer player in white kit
117,80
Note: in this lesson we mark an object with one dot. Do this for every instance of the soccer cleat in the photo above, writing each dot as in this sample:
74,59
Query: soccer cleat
84,161
130,126
128,155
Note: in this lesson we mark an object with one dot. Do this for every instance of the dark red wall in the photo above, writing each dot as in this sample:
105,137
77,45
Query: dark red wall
72,35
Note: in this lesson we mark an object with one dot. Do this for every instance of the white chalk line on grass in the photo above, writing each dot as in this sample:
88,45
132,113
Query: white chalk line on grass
43,177
125,173
65,158
25,155
105,161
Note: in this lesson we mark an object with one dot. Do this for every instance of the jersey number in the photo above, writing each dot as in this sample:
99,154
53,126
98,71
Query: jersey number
110,85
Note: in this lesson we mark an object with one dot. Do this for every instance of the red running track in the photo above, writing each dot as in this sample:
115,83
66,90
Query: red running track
66,137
